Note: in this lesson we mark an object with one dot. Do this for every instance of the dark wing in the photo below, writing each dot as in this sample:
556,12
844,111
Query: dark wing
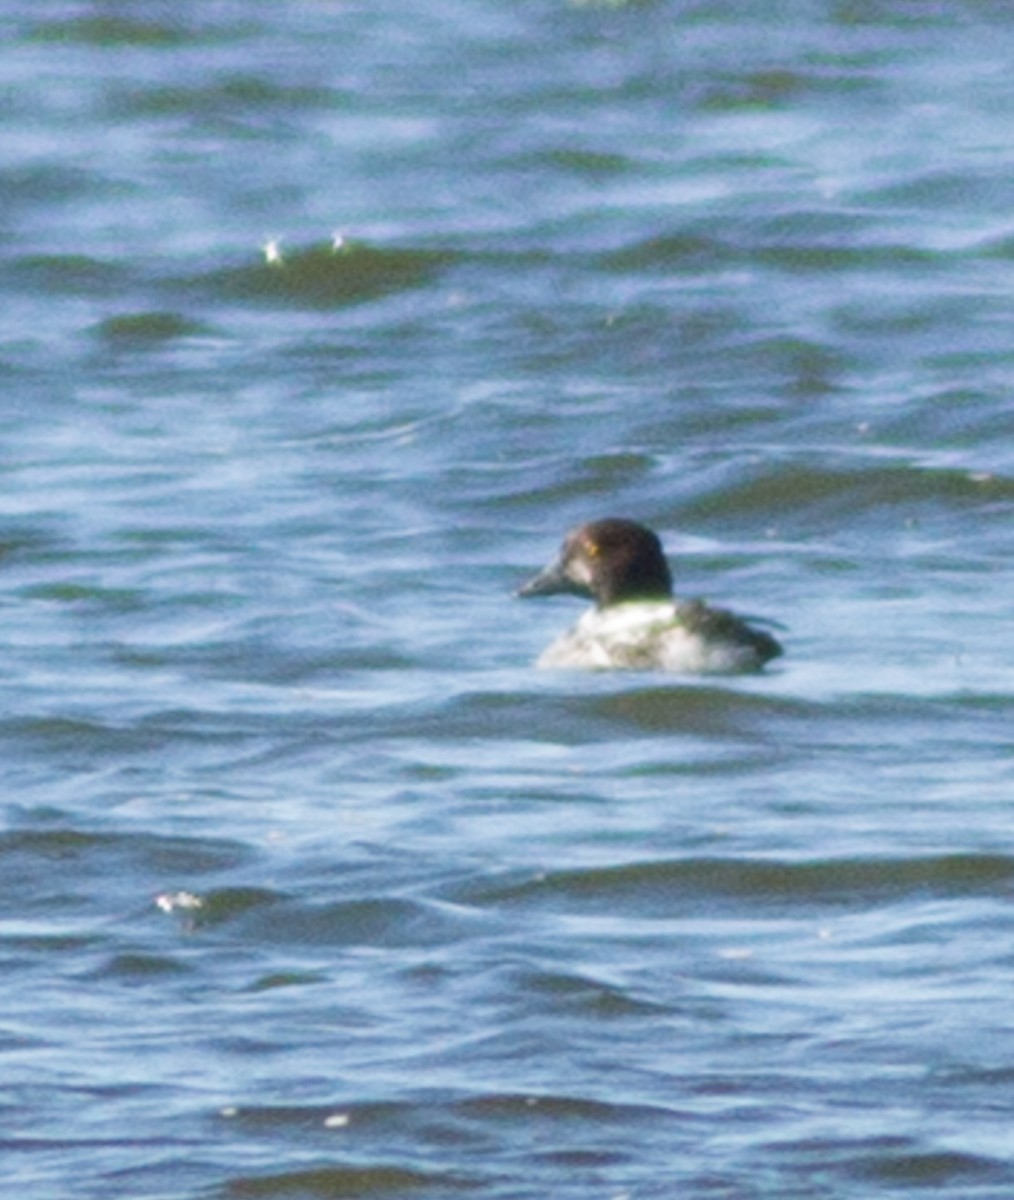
720,624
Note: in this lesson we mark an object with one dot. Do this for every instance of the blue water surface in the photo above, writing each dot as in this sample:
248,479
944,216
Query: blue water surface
321,324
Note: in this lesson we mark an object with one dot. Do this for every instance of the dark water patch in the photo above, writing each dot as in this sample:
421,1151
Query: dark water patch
140,969
904,15
684,250
810,370
383,921
539,485
686,885
72,861
801,250
689,708
777,88
55,843
218,906
254,660
28,539
327,277
287,979
998,247
589,163
137,330
536,484
802,243
961,417
914,1168
946,188
374,1130
352,1180
987,1077
82,743
68,275
916,313
528,1107
32,189
583,996
376,1119
229,96
583,1160
581,706
110,32
31,945
753,89
271,1118
97,597
894,1162
794,490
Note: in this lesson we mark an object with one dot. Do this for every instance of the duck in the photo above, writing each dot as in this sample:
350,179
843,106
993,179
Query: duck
637,623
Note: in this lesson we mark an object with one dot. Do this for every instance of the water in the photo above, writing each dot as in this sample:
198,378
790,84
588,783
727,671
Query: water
311,885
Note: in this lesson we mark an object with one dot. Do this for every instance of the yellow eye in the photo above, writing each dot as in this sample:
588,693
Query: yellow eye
592,549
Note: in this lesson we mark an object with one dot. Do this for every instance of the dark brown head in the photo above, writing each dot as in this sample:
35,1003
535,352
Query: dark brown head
610,561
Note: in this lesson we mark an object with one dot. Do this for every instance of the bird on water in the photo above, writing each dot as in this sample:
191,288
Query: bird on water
637,623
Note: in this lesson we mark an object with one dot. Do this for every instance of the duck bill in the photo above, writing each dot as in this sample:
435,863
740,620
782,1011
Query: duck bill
549,582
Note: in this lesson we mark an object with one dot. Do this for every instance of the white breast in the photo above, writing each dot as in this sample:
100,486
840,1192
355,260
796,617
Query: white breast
644,636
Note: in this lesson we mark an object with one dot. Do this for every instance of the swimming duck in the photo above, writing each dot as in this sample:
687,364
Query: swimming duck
637,623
